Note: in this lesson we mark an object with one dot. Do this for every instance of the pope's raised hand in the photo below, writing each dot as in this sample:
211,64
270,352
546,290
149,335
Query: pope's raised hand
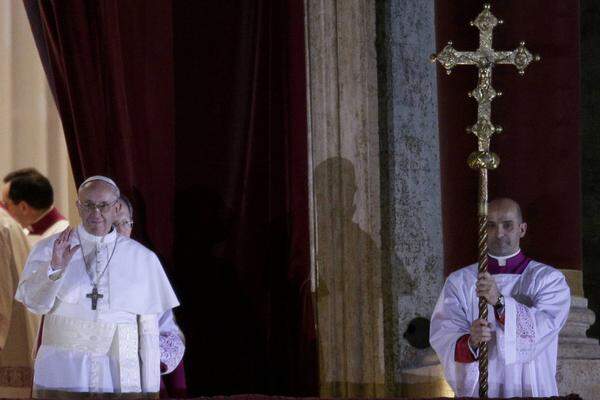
62,250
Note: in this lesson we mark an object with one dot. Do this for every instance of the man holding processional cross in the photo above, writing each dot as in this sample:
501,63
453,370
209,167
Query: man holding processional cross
496,330
529,304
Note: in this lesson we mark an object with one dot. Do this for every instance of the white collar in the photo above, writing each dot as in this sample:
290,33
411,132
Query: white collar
502,259
88,237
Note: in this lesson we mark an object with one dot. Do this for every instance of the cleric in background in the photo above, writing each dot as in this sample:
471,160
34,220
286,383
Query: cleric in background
29,198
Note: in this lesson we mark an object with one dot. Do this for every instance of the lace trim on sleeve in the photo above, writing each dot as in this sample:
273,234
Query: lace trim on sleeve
171,350
525,332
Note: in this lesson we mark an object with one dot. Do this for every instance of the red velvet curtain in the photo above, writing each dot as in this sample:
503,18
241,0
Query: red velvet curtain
198,109
110,66
540,155
241,200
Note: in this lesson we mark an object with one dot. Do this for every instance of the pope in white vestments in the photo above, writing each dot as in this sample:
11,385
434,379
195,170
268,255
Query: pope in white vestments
528,304
101,295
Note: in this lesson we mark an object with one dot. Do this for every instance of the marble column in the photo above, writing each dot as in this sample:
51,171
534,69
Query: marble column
344,183
578,369
411,194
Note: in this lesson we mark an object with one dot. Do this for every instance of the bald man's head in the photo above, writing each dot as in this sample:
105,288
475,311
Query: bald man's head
504,203
505,227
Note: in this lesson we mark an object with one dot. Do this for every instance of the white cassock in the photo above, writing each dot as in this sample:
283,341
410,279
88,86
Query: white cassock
113,349
18,328
523,352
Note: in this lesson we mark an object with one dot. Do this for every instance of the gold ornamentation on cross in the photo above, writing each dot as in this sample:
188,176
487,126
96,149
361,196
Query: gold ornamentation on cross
484,58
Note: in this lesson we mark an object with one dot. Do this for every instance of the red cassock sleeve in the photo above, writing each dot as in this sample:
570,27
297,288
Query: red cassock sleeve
462,353
499,317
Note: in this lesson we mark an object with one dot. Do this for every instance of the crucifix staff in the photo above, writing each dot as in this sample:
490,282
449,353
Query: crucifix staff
484,58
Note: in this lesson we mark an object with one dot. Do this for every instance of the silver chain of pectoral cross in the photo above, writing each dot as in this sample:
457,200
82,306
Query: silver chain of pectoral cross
94,295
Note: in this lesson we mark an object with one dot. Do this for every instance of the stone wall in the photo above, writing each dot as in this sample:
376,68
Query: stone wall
410,184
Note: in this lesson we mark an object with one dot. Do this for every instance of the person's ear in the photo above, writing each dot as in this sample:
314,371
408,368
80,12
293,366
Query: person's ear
23,207
523,229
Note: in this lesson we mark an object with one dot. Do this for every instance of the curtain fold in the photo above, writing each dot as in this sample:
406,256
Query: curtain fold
110,67
346,201
242,203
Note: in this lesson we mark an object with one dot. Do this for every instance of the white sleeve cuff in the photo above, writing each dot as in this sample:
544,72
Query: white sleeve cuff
474,352
54,274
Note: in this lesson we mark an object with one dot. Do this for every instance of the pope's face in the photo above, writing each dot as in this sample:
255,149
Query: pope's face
505,229
98,206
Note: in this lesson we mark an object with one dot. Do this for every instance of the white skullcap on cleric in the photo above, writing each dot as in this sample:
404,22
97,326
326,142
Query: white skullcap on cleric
103,179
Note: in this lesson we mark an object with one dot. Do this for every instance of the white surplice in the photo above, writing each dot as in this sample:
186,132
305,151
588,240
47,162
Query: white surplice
523,352
113,349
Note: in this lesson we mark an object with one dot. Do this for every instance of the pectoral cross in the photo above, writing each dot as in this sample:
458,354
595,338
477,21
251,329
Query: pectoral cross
94,296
